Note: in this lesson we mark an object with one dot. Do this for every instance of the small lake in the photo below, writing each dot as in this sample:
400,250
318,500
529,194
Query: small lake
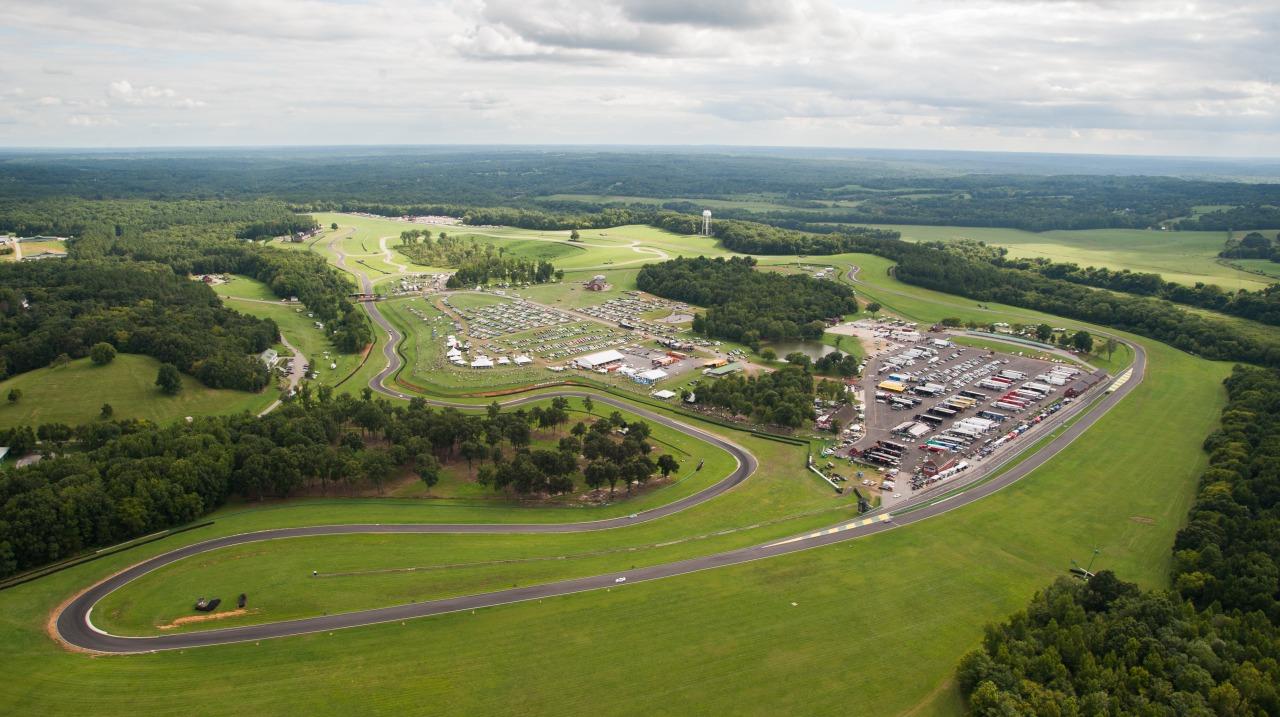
813,349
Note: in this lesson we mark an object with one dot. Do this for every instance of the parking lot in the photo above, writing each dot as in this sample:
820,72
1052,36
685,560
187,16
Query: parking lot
934,410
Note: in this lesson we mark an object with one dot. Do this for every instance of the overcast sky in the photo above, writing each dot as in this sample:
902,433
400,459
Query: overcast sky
1111,76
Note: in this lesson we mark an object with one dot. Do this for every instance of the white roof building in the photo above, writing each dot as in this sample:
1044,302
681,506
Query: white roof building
602,358
664,394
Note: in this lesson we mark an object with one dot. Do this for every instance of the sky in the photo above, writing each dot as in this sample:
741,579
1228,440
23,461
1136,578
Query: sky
1107,76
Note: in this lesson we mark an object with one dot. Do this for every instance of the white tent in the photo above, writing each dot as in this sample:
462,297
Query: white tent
653,375
664,394
503,360
482,362
522,360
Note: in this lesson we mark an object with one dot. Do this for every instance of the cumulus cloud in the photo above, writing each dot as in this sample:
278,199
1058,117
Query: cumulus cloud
83,120
149,95
1061,75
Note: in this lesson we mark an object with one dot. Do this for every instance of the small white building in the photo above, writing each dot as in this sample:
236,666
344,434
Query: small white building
664,394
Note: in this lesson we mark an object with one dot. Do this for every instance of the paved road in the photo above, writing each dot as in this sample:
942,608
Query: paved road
296,371
74,623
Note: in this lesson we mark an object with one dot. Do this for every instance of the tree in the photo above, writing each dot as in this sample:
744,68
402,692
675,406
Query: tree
587,404
377,467
15,395
428,468
472,450
333,226
667,464
102,353
874,308
768,354
61,360
107,412
169,380
574,236
1082,341
1044,332
1110,346
796,358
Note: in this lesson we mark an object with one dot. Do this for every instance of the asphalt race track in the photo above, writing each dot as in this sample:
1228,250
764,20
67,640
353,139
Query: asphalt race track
75,627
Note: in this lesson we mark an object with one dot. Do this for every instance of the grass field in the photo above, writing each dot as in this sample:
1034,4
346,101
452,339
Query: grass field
874,626
723,641
1184,257
74,394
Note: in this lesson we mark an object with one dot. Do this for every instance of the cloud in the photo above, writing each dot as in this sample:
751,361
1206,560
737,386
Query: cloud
149,95
84,120
1060,75
711,13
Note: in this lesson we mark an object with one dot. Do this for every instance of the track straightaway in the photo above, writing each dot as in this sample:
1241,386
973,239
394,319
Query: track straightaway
74,623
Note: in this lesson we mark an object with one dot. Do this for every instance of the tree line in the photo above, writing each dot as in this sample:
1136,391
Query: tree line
604,451
746,305
54,309
1253,245
1209,646
476,262
131,478
1262,306
781,398
198,236
1251,215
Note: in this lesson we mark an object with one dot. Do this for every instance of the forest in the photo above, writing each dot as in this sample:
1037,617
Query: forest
131,478
746,305
604,451
780,398
1210,646
199,237
1262,305
1249,216
1253,245
476,262
62,308
800,187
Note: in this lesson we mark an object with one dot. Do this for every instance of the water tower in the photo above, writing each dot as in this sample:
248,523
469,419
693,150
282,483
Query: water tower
706,222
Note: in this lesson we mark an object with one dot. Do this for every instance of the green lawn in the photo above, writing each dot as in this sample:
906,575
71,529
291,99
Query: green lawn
873,626
74,394
1184,257
722,641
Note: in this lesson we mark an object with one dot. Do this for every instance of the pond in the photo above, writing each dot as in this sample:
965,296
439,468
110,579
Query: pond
813,349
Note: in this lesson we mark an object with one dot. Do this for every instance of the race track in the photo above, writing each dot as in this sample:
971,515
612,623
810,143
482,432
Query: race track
74,623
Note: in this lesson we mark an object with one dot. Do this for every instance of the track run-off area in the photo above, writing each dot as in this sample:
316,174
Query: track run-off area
74,622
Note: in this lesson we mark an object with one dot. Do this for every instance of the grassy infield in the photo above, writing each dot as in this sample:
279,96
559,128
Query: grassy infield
877,626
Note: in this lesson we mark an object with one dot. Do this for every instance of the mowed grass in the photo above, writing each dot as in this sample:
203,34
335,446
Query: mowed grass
74,394
727,641
873,626
1183,257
